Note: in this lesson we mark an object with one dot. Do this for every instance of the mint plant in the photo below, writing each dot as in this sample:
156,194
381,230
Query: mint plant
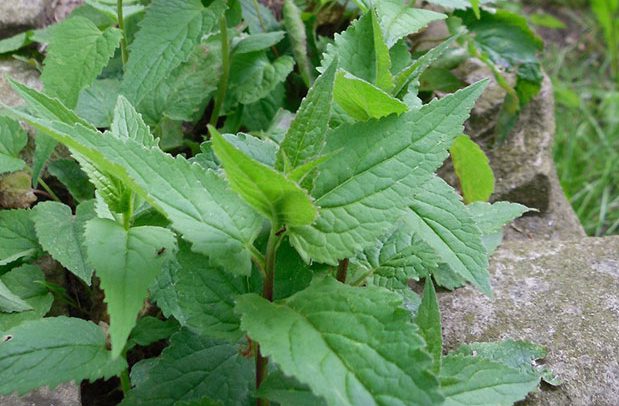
280,257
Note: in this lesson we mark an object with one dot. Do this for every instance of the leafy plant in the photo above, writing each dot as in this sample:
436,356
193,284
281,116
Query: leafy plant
293,244
607,14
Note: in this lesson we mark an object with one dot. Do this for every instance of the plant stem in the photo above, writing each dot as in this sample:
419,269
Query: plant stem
267,293
121,25
49,190
259,15
225,74
125,382
342,270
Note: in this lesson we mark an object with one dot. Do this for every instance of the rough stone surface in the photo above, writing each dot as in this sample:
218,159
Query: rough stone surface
64,395
562,295
19,71
523,165
20,15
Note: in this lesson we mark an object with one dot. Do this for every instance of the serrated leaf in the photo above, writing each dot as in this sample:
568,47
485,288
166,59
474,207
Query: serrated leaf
361,51
96,102
197,201
191,368
13,139
28,283
286,390
298,39
258,42
352,346
268,191
77,53
362,100
429,321
478,381
261,150
253,76
305,138
258,17
206,296
490,218
17,236
73,349
398,20
10,302
127,263
472,169
62,234
68,172
169,33
164,293
362,194
128,123
149,330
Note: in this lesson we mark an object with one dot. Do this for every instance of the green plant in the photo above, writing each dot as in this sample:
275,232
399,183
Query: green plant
280,261
607,14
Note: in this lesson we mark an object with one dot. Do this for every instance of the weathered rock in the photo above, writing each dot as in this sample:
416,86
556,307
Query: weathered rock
20,15
19,71
562,295
523,165
64,395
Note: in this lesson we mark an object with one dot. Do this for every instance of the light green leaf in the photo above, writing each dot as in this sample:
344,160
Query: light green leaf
191,368
444,223
128,123
253,76
17,236
429,321
10,302
286,390
206,296
258,42
13,139
68,172
352,346
365,191
472,169
77,53
197,201
479,381
164,292
15,42
361,51
490,218
298,39
96,102
261,150
398,20
305,138
362,100
51,351
268,191
27,282
258,17
127,263
169,33
62,234
458,4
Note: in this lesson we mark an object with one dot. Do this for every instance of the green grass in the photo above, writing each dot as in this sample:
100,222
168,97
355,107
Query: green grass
587,139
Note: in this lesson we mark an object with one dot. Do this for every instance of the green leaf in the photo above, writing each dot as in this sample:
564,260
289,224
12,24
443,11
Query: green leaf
365,191
258,17
478,381
77,54
206,296
444,223
62,234
17,236
15,42
472,169
253,76
361,51
286,390
128,123
149,330
198,202
127,263
13,139
169,33
261,150
399,20
191,368
73,349
69,173
268,191
10,302
352,346
362,100
490,218
27,282
96,102
298,40
164,292
306,136
258,42
429,321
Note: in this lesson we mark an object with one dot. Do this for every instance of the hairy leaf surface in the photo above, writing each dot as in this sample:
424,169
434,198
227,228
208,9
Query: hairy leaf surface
17,236
12,140
398,20
27,282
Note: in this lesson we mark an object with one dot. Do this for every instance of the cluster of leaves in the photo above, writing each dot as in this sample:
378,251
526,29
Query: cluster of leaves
293,242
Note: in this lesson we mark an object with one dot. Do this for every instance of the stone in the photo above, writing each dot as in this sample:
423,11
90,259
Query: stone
20,15
21,72
523,165
560,294
64,395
